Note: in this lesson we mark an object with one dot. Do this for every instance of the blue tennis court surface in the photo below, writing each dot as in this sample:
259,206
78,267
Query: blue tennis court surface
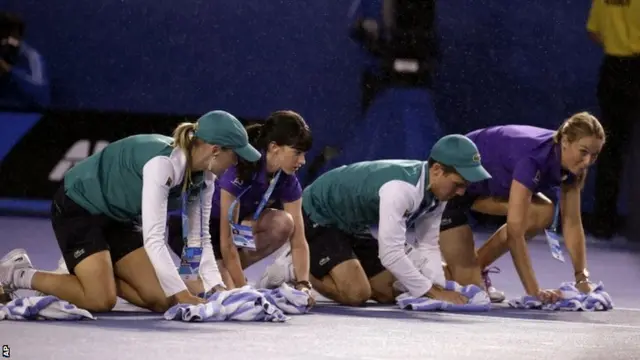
334,332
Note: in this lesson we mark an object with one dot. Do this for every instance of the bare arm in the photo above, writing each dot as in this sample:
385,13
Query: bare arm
519,202
229,251
572,229
299,246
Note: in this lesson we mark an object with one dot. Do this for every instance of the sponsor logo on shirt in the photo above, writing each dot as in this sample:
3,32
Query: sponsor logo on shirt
237,182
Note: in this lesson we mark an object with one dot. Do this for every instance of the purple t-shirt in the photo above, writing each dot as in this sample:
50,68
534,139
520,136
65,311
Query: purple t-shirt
287,189
523,153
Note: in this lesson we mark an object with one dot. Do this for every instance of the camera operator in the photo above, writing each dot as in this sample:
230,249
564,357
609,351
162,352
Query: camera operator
23,79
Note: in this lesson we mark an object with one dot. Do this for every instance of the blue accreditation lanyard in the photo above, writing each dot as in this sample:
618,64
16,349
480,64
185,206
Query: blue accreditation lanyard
424,208
553,238
242,235
191,256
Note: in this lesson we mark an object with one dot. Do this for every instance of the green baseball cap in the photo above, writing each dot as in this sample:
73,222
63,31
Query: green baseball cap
459,152
221,128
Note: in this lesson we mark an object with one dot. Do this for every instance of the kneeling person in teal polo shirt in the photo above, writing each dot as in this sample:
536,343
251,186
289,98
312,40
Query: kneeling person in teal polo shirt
109,217
348,265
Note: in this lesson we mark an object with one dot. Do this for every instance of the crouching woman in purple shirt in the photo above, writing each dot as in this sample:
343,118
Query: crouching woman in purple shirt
249,196
531,168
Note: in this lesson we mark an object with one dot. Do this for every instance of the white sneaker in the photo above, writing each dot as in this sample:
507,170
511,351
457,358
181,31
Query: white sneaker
62,267
281,271
495,295
15,260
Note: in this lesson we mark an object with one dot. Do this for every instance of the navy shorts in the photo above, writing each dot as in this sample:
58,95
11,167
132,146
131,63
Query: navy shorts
456,212
81,234
330,246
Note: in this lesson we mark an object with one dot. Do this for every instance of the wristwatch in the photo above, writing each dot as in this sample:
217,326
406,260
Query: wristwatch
304,283
212,291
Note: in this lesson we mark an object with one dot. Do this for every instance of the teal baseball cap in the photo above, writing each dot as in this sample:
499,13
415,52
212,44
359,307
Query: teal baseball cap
223,129
459,152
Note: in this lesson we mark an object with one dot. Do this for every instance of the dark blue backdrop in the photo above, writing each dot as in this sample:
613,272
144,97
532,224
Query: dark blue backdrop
502,61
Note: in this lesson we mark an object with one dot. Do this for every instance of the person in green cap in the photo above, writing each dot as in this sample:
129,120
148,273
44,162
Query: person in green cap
347,264
110,213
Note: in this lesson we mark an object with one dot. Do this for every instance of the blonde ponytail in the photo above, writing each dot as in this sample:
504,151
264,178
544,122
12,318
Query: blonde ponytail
183,139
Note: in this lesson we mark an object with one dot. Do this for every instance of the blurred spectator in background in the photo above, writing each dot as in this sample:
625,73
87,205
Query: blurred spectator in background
615,25
23,77
401,36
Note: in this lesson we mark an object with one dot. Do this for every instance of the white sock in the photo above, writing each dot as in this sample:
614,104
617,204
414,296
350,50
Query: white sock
22,278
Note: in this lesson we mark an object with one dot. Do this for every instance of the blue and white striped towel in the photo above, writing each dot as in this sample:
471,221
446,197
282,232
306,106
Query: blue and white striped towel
572,300
42,308
478,300
241,304
288,299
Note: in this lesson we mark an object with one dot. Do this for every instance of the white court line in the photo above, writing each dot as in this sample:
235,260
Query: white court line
625,309
533,320
512,319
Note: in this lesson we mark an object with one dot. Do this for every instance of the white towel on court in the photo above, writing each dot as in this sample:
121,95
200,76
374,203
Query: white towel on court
241,304
288,299
478,300
572,300
42,308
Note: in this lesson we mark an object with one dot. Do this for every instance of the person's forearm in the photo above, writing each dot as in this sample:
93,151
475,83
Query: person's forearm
522,261
300,258
576,245
231,260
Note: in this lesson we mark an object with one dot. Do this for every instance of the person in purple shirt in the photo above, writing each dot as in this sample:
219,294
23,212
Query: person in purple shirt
283,139
531,169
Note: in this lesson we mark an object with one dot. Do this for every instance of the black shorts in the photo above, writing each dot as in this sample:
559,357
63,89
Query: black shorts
81,234
330,246
176,243
456,212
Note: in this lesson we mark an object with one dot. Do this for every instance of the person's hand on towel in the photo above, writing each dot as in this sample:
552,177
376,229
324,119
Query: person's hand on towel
185,297
302,286
549,296
5,297
438,293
